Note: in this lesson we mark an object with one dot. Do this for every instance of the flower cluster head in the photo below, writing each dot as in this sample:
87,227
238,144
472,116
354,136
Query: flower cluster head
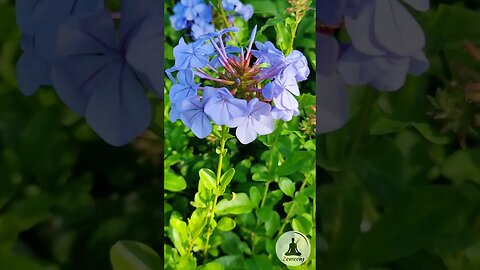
196,15
238,87
386,45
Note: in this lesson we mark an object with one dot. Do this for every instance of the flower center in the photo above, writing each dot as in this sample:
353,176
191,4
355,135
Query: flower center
241,78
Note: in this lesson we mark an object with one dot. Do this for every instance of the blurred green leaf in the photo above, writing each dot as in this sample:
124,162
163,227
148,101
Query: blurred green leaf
414,220
131,255
463,165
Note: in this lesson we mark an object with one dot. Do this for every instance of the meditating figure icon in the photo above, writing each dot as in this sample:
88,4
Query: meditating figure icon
292,249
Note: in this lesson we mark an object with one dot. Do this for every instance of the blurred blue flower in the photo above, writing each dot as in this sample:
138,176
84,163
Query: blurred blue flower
386,45
246,12
178,20
192,8
39,21
201,28
103,78
196,16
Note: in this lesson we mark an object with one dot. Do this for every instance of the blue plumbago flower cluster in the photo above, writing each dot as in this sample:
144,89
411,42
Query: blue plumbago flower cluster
242,89
386,44
99,71
196,15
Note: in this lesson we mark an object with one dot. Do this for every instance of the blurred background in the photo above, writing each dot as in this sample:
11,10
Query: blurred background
65,195
399,186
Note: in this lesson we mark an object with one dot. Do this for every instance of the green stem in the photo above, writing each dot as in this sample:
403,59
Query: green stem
211,214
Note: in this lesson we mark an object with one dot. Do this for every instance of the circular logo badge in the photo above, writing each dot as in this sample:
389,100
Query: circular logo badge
293,248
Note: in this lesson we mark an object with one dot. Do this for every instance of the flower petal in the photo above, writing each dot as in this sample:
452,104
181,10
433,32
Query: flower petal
119,110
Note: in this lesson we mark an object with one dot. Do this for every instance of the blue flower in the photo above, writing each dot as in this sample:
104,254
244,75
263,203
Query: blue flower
194,55
178,19
243,92
192,8
185,87
285,88
103,78
266,52
221,106
246,11
284,114
299,64
194,117
201,28
229,5
257,120
32,69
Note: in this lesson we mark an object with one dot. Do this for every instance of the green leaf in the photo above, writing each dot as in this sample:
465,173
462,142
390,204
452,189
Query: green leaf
255,196
297,161
211,266
226,179
174,182
264,8
283,36
180,234
22,215
240,204
14,261
232,262
208,178
270,22
272,223
302,224
259,262
197,222
187,262
432,134
131,255
232,244
411,224
463,165
441,27
287,186
386,126
226,224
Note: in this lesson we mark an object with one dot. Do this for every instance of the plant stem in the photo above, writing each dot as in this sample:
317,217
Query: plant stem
211,214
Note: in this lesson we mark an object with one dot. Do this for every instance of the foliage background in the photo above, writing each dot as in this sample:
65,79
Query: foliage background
399,184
